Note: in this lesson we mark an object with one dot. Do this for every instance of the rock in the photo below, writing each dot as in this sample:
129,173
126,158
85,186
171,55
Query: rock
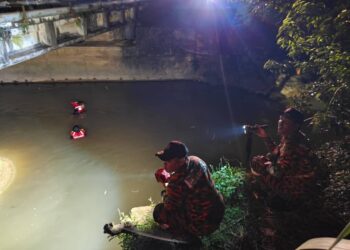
140,214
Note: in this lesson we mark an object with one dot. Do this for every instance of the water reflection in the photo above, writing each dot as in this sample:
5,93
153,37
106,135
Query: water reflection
7,173
65,190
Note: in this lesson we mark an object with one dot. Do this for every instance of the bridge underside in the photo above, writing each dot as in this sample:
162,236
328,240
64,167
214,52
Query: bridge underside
32,28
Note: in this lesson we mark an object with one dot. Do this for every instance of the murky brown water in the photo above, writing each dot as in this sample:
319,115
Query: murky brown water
64,191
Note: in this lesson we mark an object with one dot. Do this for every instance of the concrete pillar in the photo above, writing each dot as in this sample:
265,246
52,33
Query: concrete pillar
122,16
92,22
102,19
3,52
47,34
105,19
129,31
130,25
83,29
5,45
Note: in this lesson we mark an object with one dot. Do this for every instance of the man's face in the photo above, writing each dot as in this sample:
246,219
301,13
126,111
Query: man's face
173,164
286,126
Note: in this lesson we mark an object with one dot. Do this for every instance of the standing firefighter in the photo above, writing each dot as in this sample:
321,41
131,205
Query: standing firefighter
192,206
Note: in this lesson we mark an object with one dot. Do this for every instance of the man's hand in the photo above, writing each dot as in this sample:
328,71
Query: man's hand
260,132
269,167
164,226
162,176
258,166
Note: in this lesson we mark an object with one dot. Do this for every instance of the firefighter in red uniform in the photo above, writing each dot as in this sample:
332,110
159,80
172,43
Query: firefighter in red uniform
191,205
77,133
283,180
79,107
288,169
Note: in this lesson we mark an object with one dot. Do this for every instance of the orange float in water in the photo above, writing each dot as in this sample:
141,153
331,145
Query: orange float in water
79,107
77,133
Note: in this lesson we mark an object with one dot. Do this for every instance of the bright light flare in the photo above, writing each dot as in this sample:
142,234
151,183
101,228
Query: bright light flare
7,173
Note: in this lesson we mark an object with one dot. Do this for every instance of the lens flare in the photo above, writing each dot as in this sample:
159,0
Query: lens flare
7,173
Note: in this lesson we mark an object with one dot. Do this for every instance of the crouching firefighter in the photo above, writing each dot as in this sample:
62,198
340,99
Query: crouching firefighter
191,206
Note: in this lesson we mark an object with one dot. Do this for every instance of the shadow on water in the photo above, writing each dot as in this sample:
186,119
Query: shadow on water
63,187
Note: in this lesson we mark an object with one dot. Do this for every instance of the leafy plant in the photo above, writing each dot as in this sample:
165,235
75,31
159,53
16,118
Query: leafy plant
231,233
316,38
228,180
335,157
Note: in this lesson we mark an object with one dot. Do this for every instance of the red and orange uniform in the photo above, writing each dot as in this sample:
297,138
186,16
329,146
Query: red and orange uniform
192,204
288,170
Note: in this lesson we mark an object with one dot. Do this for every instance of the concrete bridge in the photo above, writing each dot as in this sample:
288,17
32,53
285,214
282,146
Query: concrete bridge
32,28
134,40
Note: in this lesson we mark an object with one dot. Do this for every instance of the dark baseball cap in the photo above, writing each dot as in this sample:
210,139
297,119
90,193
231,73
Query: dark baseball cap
175,149
294,115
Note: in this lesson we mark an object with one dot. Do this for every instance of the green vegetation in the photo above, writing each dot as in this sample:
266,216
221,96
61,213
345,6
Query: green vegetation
231,233
129,241
315,36
229,181
335,158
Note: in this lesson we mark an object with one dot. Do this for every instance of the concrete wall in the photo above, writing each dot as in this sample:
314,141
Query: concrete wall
149,59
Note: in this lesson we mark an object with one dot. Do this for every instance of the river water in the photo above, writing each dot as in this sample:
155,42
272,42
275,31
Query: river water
57,193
